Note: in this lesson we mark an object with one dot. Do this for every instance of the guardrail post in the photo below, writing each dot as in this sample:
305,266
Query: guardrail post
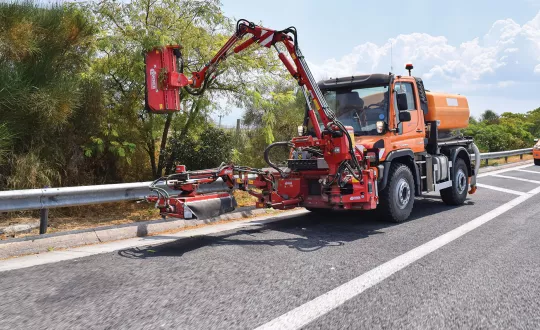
487,162
43,221
43,218
506,159
521,157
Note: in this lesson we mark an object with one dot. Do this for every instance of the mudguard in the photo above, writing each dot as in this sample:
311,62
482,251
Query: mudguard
408,153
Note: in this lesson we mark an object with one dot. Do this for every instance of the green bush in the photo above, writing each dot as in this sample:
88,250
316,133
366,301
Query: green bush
208,150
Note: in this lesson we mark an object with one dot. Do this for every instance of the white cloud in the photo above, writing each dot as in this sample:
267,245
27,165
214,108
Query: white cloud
511,50
507,53
506,83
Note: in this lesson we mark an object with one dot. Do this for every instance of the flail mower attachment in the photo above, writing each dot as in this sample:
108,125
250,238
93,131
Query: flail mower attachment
164,79
203,194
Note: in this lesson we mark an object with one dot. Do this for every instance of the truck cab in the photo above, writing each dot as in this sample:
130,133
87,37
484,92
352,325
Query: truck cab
409,135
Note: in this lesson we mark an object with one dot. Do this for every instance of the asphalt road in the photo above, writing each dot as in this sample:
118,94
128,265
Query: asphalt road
486,278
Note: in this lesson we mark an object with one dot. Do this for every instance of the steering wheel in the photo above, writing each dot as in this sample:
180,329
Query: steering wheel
374,105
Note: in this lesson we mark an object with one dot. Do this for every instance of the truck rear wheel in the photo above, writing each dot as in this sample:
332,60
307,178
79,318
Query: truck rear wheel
537,162
457,194
397,198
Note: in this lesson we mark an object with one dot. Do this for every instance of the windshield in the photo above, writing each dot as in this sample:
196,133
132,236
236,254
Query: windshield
360,108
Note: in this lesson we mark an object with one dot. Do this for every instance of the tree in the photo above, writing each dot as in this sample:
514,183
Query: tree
489,117
511,131
273,113
200,151
43,54
200,27
533,117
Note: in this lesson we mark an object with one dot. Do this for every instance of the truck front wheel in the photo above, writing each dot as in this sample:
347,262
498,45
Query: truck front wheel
457,194
397,198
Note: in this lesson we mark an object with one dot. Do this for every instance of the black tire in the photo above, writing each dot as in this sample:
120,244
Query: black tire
396,200
537,162
457,194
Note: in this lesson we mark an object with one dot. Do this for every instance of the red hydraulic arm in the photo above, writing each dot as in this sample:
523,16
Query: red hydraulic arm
267,38
346,164
339,145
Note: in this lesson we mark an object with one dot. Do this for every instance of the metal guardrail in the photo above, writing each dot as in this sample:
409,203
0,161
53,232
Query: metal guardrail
35,199
506,154
46,198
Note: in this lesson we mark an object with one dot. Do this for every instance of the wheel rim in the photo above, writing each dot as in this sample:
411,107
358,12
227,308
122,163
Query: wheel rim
461,181
403,193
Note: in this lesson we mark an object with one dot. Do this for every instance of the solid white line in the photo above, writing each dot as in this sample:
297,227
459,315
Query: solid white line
85,251
306,313
509,191
535,172
481,175
514,178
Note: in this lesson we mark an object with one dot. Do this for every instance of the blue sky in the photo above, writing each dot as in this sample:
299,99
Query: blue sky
488,51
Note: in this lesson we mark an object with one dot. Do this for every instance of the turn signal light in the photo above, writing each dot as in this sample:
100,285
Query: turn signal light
371,156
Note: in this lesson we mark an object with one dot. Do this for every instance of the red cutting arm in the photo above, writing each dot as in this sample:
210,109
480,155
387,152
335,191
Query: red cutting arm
268,38
335,141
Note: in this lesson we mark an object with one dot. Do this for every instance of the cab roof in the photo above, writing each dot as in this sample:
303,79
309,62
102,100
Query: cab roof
375,79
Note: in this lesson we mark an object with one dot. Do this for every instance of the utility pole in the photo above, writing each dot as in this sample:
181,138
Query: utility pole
391,59
220,120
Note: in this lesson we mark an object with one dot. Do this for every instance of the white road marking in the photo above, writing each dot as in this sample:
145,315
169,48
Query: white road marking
515,178
535,172
481,175
509,191
88,250
308,312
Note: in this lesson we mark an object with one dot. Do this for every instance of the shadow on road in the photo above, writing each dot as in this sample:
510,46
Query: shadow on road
306,233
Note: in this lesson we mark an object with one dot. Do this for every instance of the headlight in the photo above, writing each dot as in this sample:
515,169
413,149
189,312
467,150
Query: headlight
380,127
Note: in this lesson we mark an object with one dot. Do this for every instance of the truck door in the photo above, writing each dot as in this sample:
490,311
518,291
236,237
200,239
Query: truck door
411,134
411,126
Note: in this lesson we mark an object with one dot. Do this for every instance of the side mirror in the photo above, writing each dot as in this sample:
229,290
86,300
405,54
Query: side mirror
404,116
402,103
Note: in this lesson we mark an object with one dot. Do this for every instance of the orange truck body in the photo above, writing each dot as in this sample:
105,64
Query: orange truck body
536,153
450,111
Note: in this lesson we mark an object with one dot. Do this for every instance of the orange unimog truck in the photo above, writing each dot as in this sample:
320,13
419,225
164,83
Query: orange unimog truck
413,139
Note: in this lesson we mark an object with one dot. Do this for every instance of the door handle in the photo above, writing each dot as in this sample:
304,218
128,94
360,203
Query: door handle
418,130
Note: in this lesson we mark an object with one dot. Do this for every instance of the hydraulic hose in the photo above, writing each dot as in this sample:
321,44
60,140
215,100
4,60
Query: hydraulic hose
476,165
267,155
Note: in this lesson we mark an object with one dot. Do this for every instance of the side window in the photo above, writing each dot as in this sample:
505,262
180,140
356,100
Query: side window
408,89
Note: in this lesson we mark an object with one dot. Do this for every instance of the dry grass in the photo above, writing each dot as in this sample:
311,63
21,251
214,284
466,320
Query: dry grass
500,161
84,217
243,198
